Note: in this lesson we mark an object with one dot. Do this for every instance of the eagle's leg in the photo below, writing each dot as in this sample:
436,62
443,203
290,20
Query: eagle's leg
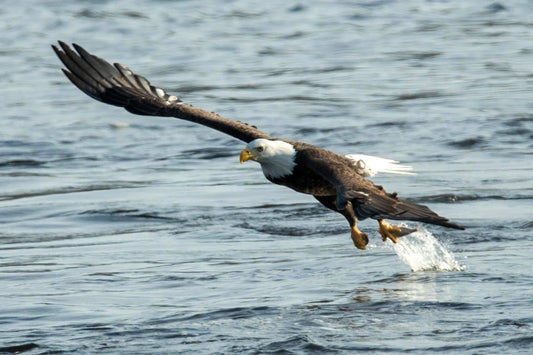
392,232
360,239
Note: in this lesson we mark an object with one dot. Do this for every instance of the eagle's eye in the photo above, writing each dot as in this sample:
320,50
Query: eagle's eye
260,149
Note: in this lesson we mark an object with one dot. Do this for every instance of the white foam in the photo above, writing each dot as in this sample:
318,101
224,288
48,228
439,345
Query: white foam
421,251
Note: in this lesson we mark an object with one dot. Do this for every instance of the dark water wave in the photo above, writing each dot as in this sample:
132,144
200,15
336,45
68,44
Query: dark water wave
209,153
92,14
388,124
296,231
415,55
314,130
294,344
527,225
69,190
516,343
230,313
128,214
468,143
21,163
289,98
453,198
420,95
19,348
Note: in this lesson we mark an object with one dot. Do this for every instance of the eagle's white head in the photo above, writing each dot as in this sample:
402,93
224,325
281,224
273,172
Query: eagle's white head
276,157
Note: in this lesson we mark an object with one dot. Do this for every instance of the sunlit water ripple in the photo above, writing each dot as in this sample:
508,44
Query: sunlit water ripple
130,234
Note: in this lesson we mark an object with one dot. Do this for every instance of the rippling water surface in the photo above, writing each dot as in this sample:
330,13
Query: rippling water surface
130,234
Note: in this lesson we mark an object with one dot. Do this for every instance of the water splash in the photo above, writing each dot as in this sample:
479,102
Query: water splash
421,251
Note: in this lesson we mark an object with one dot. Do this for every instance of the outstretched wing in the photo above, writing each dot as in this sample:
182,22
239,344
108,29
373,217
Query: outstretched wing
119,86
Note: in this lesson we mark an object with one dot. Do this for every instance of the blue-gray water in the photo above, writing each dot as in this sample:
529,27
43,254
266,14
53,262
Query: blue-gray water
153,239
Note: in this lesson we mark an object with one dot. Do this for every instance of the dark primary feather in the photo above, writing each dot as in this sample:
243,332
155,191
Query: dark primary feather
385,206
119,86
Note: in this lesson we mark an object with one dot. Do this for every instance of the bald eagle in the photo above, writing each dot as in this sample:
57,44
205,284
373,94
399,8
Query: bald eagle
338,182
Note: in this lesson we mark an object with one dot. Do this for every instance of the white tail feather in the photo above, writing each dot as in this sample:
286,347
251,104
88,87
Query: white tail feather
369,166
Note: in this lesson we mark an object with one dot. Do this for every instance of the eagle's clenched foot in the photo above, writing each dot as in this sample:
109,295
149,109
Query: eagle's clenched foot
389,231
360,239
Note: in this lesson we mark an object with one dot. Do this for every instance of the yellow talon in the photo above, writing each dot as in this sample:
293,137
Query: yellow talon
360,239
389,231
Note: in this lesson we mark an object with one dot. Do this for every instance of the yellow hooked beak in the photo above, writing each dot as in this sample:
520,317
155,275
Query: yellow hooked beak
246,154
